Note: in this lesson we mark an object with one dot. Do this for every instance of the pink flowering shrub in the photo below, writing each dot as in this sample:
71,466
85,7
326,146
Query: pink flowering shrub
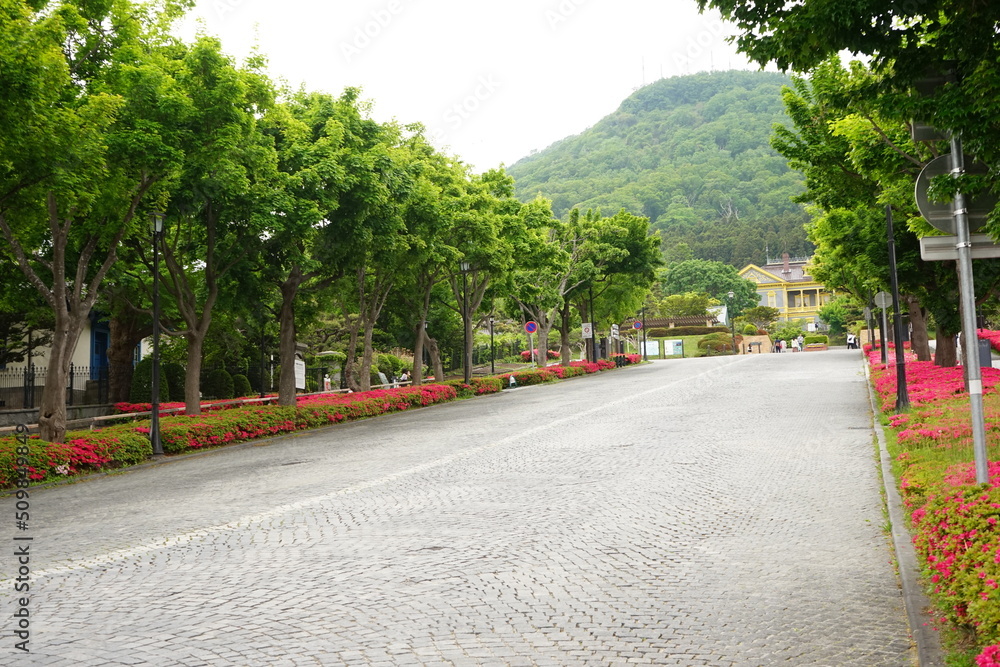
990,657
551,354
958,538
176,408
954,519
83,451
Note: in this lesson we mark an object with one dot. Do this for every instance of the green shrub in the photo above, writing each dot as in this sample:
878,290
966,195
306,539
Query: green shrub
390,364
142,383
241,385
217,383
174,374
716,342
750,330
816,338
476,386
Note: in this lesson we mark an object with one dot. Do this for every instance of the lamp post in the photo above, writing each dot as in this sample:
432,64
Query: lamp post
154,426
466,352
732,324
493,350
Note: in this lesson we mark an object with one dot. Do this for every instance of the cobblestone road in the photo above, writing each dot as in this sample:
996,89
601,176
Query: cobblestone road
697,512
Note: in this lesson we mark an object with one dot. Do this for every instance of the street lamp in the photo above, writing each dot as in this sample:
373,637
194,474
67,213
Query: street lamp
154,427
466,352
493,350
732,323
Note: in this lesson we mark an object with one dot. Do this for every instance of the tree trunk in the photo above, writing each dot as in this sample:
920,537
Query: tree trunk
351,364
127,331
366,357
946,352
52,408
565,349
286,338
417,376
919,342
435,354
192,375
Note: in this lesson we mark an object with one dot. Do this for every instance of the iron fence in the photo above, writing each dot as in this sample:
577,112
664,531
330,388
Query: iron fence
21,388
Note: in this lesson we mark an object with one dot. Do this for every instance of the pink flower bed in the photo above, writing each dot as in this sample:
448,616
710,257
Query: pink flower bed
926,383
955,520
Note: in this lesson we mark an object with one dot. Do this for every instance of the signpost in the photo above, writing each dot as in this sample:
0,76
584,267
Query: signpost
961,217
939,248
882,300
531,327
588,330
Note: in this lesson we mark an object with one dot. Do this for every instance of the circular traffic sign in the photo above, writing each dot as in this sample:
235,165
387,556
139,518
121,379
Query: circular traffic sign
531,326
942,216
637,325
883,300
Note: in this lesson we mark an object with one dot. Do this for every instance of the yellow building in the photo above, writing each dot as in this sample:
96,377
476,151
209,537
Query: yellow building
787,286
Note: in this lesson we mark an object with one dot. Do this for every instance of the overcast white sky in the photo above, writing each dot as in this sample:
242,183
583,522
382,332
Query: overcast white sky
492,81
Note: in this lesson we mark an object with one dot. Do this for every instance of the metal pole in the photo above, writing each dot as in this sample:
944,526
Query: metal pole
645,357
970,339
466,356
154,426
902,396
732,322
593,327
882,338
263,357
493,349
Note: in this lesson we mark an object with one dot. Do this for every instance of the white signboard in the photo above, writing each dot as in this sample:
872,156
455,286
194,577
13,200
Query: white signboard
588,330
614,331
674,348
300,374
934,248
651,348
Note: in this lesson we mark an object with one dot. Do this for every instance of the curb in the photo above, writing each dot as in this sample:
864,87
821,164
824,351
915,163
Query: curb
925,637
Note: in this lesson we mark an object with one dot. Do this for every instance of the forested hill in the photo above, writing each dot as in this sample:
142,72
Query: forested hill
692,154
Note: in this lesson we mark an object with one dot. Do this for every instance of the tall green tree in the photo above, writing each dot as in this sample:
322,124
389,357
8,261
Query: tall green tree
713,278
217,212
83,137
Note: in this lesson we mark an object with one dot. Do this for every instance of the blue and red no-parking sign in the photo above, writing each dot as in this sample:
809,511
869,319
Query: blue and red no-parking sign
637,325
531,326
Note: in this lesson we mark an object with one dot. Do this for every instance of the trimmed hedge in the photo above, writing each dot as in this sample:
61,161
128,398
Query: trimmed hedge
83,452
241,386
218,383
476,386
816,338
142,383
174,374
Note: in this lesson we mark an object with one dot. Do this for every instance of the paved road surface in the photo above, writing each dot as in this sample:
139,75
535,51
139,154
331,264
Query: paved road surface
717,511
